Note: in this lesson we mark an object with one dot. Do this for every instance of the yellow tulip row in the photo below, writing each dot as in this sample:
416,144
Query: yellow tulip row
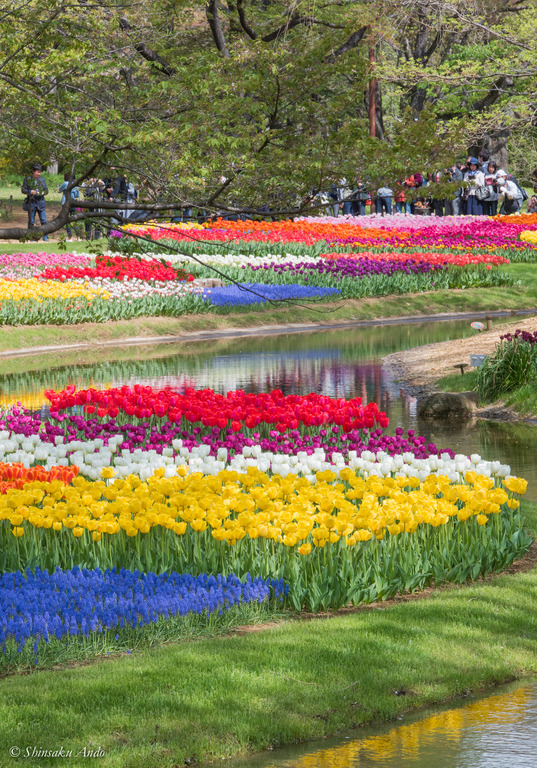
31,288
288,510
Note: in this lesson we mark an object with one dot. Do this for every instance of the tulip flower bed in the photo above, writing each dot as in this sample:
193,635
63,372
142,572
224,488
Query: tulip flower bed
14,266
360,278
452,233
63,311
48,617
119,268
306,490
457,259
51,291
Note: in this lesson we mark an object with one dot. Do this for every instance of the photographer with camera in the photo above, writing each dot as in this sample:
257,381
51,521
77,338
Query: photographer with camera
35,188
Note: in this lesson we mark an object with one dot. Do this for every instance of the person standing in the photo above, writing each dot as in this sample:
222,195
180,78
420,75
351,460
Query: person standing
512,195
345,193
453,204
95,191
484,160
401,206
360,196
334,196
124,191
383,200
35,188
490,205
474,207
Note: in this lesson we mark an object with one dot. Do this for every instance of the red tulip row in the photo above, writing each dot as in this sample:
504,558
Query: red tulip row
214,410
119,268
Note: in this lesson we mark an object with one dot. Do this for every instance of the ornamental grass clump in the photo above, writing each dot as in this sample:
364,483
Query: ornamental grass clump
512,365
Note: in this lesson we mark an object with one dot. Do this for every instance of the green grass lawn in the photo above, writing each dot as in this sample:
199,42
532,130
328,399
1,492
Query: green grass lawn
295,680
52,246
458,383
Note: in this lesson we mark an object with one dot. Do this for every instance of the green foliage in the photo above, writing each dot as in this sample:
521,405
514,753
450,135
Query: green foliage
279,111
378,569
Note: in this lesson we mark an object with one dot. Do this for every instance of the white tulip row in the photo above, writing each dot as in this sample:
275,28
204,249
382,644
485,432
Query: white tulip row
232,259
120,290
92,455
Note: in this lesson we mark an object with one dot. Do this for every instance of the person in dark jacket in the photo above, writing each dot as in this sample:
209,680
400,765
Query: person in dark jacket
35,188
359,197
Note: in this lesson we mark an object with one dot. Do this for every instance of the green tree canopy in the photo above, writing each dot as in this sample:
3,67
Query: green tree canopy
231,104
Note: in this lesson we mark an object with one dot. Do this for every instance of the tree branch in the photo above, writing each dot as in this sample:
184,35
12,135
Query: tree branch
351,43
148,53
211,11
244,24
295,21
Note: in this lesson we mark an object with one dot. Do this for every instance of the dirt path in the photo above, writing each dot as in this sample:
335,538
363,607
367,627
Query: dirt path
421,367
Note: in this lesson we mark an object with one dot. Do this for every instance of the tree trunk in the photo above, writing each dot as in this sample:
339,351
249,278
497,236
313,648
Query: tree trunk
52,167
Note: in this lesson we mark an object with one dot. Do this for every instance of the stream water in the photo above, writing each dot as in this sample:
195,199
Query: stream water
494,731
342,363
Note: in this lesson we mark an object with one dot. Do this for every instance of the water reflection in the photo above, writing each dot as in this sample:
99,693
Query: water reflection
494,732
339,363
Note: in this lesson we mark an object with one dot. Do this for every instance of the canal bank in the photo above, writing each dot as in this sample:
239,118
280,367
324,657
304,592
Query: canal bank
437,367
490,731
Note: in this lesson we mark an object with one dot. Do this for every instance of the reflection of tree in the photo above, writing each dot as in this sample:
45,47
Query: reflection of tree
348,346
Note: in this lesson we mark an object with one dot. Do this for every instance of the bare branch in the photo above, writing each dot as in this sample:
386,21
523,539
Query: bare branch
147,53
295,21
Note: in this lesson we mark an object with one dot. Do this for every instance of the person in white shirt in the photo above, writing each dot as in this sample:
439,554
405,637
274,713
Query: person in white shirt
512,196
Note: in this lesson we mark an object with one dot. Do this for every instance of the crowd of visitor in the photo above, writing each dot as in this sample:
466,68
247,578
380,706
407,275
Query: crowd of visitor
479,188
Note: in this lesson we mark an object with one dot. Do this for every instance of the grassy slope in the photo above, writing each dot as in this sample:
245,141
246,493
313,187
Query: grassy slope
214,698
522,400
